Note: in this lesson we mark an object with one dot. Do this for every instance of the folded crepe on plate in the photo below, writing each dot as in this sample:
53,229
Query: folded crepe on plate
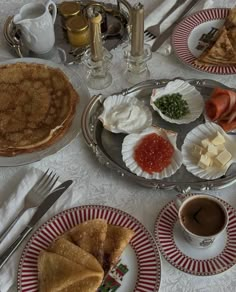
106,242
231,19
117,239
90,236
78,260
66,267
37,105
222,50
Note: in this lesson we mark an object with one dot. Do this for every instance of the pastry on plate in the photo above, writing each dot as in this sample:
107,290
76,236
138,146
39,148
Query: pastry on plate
104,241
222,51
65,267
79,259
117,238
90,236
37,105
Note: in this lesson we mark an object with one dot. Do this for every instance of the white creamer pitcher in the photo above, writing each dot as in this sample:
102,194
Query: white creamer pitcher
36,24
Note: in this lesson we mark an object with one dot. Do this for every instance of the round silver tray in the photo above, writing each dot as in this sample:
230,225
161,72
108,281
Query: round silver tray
107,145
118,23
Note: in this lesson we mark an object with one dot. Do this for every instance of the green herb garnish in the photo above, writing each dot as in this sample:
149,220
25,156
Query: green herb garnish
172,105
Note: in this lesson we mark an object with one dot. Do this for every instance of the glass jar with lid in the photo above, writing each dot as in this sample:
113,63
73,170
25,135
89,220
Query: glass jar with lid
78,31
69,9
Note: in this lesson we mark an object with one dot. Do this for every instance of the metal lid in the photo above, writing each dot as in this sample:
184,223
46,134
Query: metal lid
69,8
77,23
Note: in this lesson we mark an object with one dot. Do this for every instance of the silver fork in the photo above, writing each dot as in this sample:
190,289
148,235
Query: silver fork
154,31
34,197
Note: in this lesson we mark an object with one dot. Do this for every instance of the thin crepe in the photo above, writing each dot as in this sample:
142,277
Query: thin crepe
90,236
222,50
68,268
117,239
105,241
37,105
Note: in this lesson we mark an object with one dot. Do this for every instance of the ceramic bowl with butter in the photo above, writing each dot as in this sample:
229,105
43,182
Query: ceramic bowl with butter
178,102
208,151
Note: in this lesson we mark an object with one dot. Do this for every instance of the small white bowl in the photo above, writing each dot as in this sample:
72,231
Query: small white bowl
189,93
123,114
195,137
131,140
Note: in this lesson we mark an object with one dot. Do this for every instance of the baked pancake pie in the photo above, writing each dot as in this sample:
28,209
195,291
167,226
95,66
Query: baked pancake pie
37,105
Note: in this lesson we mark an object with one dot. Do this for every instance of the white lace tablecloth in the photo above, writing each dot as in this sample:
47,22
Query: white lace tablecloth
96,184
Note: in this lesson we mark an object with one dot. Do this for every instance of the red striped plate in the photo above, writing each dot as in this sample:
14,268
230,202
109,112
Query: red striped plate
141,256
202,262
186,36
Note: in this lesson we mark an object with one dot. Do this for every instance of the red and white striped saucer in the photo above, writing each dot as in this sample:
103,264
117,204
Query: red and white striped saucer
192,33
178,252
141,256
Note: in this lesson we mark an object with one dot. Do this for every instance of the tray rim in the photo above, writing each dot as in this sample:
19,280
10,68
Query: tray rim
183,187
17,44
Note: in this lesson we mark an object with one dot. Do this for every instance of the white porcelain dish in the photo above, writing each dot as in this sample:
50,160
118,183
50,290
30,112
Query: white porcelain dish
131,140
189,93
141,257
192,34
124,114
195,136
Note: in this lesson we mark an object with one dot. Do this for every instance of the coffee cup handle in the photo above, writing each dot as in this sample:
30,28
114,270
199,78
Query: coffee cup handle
53,9
180,198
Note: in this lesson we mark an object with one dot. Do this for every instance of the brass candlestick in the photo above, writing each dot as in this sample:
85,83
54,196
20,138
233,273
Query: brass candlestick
97,59
137,54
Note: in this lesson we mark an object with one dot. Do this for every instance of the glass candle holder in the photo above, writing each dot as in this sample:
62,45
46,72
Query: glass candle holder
97,72
137,69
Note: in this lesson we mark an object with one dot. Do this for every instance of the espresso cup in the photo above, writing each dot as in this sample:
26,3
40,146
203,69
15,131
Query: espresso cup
36,25
202,218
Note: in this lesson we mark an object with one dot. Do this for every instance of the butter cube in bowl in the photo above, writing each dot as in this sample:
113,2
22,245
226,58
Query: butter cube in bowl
208,151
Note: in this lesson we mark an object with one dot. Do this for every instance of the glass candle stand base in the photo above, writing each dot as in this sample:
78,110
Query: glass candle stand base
137,69
98,75
98,78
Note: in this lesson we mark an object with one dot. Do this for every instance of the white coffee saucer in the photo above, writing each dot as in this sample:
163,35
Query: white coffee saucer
202,262
196,253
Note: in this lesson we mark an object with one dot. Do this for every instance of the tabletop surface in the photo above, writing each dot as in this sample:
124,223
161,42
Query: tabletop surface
96,184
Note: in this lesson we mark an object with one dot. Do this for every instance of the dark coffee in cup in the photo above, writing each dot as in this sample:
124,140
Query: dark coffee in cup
203,216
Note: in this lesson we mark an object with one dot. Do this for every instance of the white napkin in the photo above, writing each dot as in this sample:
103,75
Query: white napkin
8,274
156,14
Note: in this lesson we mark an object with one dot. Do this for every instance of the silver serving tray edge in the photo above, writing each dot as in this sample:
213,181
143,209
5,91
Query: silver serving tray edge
92,133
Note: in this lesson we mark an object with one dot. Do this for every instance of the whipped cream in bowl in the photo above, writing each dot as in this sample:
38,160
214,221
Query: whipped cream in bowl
124,114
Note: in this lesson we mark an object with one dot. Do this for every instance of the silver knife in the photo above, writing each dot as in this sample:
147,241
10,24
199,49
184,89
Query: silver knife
42,209
167,33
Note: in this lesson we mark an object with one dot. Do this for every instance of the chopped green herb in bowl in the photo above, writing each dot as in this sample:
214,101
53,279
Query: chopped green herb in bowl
172,105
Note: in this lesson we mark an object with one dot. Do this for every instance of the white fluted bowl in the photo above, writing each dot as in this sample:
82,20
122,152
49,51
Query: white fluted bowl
123,114
189,93
131,140
195,136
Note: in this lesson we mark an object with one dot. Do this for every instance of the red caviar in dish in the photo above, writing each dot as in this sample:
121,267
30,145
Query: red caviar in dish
153,153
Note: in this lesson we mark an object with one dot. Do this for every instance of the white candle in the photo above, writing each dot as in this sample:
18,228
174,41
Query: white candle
95,37
137,32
